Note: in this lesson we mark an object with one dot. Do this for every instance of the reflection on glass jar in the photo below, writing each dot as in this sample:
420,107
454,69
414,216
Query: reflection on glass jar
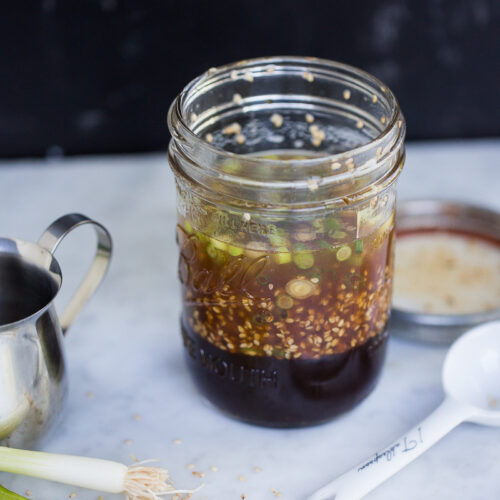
285,170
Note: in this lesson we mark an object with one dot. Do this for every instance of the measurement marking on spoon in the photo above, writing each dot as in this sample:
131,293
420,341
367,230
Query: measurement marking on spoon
406,443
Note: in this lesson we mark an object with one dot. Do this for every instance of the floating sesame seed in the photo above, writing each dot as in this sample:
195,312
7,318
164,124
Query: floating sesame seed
374,99
335,165
360,124
308,76
190,466
382,88
242,478
277,120
312,184
382,119
248,76
209,138
237,99
214,468
318,135
270,69
177,441
234,75
246,217
346,94
233,128
193,117
309,118
211,70
257,469
240,138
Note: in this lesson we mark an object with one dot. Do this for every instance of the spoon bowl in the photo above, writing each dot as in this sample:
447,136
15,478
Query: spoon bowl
471,373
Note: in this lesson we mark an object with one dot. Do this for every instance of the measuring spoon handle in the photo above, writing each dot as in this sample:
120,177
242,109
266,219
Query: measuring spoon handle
370,473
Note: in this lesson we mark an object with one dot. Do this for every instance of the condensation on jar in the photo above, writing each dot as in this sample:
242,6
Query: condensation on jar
285,171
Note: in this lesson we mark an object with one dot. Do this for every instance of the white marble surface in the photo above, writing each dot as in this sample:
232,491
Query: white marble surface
125,347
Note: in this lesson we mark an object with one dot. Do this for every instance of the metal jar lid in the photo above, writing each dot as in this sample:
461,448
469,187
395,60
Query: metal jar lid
446,215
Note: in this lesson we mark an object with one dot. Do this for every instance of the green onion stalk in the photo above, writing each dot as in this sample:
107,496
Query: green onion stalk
137,482
9,495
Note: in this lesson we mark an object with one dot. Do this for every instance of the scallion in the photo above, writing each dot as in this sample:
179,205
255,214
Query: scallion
136,481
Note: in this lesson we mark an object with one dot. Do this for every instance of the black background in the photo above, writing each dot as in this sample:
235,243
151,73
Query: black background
98,76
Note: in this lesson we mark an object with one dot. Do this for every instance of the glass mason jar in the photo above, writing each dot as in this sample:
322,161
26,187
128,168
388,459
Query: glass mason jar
285,170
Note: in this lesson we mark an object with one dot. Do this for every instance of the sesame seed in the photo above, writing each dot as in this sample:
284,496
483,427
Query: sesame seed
242,478
312,184
374,99
237,99
335,165
360,124
209,138
270,69
233,128
318,135
346,94
211,70
309,118
257,469
234,75
246,217
177,441
214,468
308,76
190,466
248,76
276,120
382,119
240,139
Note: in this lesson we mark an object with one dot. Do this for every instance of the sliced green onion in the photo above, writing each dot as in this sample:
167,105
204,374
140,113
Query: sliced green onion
337,235
302,257
137,481
359,246
235,251
211,251
188,227
283,256
10,495
343,253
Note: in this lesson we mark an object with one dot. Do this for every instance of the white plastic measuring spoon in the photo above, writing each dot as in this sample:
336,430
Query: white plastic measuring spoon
471,380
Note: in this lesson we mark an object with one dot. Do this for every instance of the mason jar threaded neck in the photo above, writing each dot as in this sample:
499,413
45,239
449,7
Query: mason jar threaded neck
286,131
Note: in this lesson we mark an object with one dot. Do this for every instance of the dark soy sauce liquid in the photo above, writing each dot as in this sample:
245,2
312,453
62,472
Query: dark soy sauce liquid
284,393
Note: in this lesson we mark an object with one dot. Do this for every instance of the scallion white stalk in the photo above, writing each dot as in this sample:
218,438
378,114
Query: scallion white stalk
137,481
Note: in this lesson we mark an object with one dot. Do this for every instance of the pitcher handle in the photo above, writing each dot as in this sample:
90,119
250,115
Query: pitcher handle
50,240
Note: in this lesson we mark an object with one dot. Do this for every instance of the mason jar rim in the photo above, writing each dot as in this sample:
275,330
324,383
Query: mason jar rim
176,106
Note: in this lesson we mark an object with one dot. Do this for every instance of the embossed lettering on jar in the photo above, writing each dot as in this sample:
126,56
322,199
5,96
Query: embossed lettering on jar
285,171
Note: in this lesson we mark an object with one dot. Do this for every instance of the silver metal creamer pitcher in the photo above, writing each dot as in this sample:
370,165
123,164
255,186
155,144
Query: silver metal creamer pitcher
32,372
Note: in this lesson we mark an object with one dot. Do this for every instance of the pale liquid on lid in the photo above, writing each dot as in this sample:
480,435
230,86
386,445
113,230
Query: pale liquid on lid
446,273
